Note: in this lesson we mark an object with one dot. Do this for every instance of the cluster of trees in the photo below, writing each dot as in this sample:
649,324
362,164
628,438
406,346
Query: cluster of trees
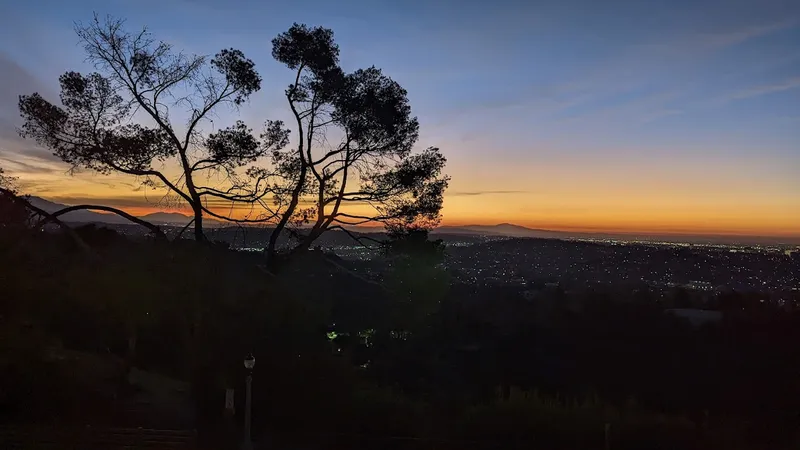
352,161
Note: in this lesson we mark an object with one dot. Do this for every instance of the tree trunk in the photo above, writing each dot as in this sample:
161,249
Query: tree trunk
270,251
309,240
298,250
198,223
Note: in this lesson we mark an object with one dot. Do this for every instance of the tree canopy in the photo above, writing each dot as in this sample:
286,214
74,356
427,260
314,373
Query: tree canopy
12,214
351,163
122,118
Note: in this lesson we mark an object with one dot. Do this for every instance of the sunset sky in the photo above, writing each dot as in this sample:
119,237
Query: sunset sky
668,116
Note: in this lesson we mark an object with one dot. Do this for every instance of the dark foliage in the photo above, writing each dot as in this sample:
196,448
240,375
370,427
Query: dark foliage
355,135
354,141
92,128
13,216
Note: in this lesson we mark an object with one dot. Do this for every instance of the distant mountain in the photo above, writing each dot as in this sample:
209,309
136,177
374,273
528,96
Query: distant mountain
503,229
76,216
84,216
167,218
517,231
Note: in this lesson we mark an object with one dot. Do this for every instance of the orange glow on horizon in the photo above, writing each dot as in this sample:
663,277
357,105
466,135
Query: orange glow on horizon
607,198
610,224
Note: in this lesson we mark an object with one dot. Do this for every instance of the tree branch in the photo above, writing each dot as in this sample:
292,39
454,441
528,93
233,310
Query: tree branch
344,222
185,227
356,238
153,228
200,114
231,219
78,241
301,180
157,174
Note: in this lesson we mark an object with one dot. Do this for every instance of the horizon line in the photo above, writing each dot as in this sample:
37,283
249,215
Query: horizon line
543,227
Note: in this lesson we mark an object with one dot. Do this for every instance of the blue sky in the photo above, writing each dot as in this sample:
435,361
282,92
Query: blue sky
691,101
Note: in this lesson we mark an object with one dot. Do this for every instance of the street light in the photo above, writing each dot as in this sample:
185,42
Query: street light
249,363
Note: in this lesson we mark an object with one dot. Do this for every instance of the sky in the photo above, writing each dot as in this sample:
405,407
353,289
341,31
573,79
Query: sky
633,116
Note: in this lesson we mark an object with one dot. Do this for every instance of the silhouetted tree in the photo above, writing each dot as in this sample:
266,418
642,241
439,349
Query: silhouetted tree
12,213
6,181
94,126
353,161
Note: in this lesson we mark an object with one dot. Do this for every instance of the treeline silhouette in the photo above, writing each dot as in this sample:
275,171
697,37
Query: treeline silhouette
411,361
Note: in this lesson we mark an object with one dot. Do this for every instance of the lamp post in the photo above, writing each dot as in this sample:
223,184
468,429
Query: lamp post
249,363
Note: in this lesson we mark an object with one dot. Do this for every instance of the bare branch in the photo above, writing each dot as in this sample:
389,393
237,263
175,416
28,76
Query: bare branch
372,112
67,229
185,227
358,239
153,228
231,219
97,129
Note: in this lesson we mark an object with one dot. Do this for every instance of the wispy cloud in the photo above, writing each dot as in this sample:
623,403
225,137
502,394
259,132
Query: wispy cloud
643,108
691,44
791,83
474,193
714,41
643,65
17,80
18,167
34,161
636,67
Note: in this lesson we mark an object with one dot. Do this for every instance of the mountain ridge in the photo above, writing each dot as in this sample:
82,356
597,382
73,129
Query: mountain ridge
504,229
87,216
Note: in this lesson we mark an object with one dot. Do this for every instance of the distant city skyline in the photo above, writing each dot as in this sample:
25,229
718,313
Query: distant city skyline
659,117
